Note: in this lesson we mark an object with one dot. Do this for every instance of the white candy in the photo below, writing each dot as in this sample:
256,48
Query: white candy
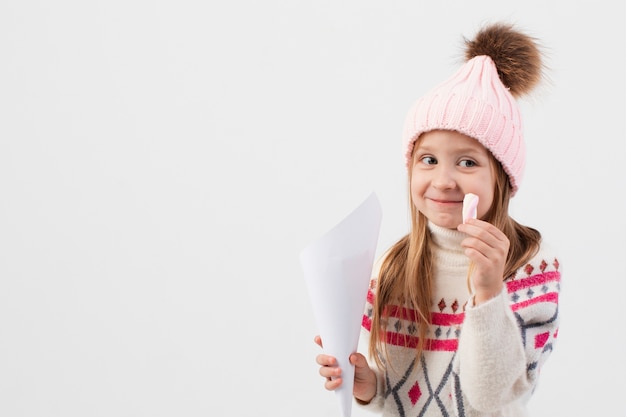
470,207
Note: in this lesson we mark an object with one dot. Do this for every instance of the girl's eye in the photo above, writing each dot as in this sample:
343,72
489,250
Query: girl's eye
467,163
429,160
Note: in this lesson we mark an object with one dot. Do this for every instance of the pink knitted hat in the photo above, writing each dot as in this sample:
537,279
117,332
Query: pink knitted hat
476,102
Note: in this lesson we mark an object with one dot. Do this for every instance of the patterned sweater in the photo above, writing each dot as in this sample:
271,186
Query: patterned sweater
480,360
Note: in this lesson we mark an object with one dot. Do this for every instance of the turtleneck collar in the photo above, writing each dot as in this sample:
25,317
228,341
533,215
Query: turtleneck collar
448,249
446,238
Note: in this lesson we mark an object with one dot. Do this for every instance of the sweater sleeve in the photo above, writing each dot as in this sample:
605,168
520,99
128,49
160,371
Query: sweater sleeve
505,341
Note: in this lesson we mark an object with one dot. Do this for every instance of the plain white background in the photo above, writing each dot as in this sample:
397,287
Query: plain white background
162,164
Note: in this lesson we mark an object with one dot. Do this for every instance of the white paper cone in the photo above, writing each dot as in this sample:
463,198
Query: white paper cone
337,269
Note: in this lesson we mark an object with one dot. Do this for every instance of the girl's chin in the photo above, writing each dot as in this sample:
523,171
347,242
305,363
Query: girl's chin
446,222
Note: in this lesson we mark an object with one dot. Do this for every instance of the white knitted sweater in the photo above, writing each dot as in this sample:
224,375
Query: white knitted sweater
482,360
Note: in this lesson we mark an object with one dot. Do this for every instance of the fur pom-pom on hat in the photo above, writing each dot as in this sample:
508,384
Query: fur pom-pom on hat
479,100
514,54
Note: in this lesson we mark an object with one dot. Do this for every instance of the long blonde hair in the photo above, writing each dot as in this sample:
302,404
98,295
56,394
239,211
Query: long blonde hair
406,274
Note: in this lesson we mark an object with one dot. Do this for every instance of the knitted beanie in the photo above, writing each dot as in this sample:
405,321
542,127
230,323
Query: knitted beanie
479,100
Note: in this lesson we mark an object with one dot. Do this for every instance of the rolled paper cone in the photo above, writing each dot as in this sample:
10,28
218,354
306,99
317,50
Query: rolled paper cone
337,268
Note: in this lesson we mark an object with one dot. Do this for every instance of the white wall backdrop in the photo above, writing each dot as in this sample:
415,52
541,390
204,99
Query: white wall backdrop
162,164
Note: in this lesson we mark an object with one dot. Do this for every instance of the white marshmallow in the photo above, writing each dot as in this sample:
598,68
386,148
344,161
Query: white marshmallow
470,206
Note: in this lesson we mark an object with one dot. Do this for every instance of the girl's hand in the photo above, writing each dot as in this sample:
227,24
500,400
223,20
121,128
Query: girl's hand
364,378
487,247
328,368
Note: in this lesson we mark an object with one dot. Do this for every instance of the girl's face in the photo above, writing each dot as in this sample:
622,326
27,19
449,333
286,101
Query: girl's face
446,166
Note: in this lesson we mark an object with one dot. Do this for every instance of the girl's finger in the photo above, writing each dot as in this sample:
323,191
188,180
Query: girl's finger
318,340
326,360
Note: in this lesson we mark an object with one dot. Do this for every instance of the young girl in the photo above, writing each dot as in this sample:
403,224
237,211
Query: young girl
461,316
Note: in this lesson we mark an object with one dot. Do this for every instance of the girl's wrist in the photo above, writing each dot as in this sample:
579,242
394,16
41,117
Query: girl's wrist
364,402
366,399
484,295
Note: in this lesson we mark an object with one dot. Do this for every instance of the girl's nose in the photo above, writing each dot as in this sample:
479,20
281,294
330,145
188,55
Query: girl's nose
443,179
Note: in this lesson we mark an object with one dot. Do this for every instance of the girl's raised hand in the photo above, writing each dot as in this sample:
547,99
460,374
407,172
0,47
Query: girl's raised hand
487,247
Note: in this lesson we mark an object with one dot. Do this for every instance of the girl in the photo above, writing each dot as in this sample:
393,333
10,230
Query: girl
461,316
